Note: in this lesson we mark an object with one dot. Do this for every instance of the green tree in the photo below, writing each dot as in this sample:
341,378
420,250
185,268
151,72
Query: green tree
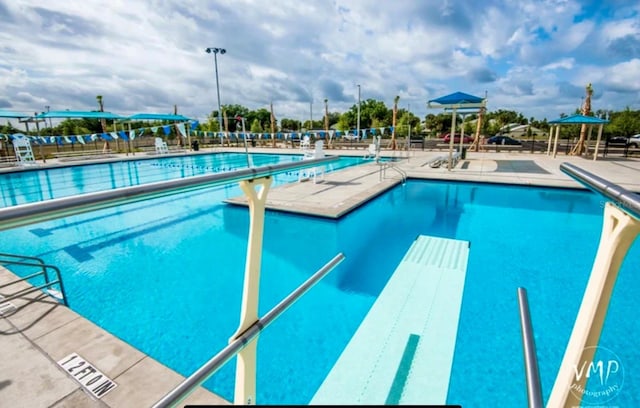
256,126
344,123
8,128
289,124
625,123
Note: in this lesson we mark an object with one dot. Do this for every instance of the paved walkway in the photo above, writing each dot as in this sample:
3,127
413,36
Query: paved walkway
41,332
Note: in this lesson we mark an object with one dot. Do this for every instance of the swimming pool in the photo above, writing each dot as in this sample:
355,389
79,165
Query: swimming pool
165,275
37,185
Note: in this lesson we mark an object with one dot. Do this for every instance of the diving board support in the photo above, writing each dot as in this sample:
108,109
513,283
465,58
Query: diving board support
619,230
256,191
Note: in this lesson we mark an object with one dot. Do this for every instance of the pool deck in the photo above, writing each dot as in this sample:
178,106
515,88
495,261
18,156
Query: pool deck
42,332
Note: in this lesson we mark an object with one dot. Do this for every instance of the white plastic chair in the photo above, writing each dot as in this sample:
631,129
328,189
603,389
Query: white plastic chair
161,146
317,153
305,144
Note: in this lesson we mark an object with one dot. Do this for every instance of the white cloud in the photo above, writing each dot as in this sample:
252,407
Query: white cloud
149,55
564,63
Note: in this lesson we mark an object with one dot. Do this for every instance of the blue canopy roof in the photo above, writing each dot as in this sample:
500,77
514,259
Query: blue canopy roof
579,119
457,98
10,114
157,116
79,114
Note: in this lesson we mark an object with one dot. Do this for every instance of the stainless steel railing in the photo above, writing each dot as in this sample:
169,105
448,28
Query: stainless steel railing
201,375
31,261
623,198
534,389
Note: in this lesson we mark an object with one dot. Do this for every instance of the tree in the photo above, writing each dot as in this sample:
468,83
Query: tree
625,123
344,123
8,128
289,124
229,114
256,126
436,124
581,146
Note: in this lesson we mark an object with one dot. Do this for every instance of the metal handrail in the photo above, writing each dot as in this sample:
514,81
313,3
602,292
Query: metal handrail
534,389
43,271
623,198
33,258
389,165
26,214
201,375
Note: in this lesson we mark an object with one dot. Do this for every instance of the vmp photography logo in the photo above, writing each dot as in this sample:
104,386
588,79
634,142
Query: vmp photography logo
604,376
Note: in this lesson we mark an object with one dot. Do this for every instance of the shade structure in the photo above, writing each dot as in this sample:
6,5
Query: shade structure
579,120
163,116
158,116
11,114
454,102
78,115
457,100
575,120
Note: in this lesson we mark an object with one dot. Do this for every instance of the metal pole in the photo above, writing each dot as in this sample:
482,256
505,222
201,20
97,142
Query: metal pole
534,389
185,388
215,62
358,125
215,59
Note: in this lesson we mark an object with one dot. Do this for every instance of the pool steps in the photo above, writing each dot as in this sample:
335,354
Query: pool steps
402,353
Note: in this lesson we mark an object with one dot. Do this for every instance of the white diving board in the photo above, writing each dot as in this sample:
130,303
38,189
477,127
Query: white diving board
402,352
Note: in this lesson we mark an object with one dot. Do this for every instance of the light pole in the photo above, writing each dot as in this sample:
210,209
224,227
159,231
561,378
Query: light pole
50,127
358,124
215,52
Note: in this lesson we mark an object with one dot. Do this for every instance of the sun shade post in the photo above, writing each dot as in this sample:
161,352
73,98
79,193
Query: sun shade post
452,136
256,191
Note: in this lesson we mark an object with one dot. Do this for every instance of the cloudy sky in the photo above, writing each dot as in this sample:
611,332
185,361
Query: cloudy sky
535,57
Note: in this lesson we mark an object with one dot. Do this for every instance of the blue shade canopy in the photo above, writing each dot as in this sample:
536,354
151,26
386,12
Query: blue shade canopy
579,119
157,116
79,115
457,98
10,114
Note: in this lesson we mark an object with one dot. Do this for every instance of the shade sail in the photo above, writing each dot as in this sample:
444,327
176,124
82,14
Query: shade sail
79,115
157,116
10,114
579,119
460,99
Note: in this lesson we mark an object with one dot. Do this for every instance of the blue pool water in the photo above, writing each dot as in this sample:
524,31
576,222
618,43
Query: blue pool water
30,186
166,275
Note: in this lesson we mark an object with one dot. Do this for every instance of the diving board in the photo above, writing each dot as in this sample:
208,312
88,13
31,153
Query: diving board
402,352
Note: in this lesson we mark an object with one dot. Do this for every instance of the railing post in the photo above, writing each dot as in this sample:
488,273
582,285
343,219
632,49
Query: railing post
619,230
245,389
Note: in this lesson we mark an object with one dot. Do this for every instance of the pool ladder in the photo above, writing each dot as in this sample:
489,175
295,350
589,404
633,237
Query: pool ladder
389,165
43,269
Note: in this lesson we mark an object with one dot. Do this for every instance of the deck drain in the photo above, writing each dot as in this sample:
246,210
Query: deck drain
7,308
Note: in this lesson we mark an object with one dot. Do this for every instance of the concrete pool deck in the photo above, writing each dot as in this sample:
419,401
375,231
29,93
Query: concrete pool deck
43,332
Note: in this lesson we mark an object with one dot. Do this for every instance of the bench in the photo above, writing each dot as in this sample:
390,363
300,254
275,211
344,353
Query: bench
151,151
498,147
82,154
8,161
349,145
